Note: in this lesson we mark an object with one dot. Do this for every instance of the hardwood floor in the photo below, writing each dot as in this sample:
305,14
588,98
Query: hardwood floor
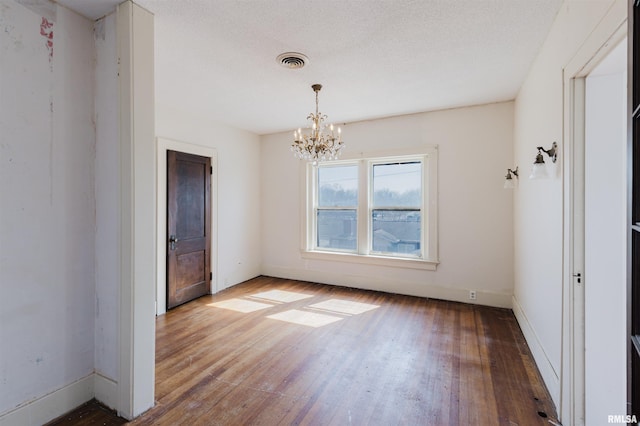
273,351
90,413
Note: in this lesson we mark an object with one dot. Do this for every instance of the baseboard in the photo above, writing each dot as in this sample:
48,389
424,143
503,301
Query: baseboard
548,373
388,285
106,391
52,405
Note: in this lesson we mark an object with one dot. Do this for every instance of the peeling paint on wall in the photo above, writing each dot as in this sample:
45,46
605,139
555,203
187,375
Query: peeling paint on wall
46,30
46,9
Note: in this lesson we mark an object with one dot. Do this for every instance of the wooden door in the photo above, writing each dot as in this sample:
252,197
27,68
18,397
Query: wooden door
188,227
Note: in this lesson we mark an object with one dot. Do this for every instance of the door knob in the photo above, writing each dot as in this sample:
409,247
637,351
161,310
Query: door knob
172,242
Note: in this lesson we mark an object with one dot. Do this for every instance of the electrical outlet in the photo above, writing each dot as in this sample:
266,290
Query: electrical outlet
472,295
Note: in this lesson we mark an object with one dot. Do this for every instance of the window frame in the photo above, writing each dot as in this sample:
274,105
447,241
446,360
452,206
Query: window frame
428,260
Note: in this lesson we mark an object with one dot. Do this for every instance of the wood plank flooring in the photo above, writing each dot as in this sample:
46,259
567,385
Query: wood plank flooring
273,351
89,413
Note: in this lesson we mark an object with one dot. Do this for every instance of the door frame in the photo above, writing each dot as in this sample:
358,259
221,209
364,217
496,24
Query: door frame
573,333
164,145
609,32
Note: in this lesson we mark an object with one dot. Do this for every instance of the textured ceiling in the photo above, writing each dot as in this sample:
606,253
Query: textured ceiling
375,58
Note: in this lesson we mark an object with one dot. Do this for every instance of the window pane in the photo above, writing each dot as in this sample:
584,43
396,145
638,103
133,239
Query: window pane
337,229
397,232
338,186
397,185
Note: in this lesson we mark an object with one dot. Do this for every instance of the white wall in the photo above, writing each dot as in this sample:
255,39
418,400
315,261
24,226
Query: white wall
605,243
475,212
538,204
107,188
238,187
47,210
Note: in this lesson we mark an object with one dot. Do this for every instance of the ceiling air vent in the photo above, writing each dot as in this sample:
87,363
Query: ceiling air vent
292,60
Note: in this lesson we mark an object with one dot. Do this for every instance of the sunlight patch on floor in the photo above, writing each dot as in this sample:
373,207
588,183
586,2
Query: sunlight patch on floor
311,319
345,307
240,305
281,296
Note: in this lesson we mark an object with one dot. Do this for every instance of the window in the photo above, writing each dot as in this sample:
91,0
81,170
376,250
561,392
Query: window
337,207
396,213
378,209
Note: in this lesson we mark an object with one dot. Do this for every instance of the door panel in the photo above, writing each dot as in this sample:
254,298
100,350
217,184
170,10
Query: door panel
191,269
188,227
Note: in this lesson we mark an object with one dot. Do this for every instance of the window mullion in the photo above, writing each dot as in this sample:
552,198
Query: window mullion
363,207
312,231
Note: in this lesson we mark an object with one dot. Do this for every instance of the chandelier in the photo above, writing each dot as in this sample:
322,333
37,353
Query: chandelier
320,143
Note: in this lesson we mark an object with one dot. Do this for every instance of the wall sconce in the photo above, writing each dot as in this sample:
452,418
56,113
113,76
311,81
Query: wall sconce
539,168
509,181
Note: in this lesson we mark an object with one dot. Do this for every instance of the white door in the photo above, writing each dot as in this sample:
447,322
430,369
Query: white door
605,245
593,377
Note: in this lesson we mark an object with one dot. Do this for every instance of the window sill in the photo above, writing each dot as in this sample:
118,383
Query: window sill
395,262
